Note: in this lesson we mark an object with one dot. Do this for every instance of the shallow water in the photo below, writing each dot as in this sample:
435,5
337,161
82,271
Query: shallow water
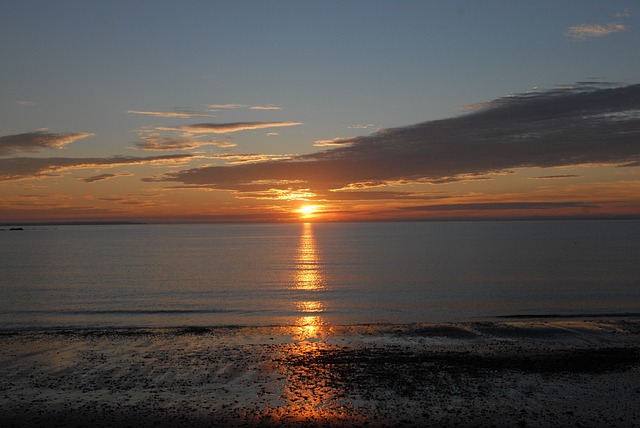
312,274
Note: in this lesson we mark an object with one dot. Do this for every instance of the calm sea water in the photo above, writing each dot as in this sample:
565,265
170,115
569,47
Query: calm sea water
347,273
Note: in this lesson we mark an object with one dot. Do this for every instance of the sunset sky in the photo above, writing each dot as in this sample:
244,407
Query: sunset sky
318,110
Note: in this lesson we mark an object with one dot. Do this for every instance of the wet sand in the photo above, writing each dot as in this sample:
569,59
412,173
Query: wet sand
564,372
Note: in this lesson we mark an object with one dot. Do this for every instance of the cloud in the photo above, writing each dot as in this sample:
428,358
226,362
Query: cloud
265,108
624,14
27,168
26,103
232,106
554,177
369,195
589,31
162,143
361,126
239,158
37,141
226,106
491,206
333,143
102,177
574,125
225,128
170,113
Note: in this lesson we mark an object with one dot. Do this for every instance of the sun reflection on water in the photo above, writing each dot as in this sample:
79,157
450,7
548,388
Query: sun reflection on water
308,278
312,393
308,274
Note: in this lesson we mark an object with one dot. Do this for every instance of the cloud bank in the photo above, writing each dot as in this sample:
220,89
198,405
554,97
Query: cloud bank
37,141
575,125
491,206
28,168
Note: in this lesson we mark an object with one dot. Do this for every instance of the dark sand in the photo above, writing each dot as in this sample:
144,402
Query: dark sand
523,373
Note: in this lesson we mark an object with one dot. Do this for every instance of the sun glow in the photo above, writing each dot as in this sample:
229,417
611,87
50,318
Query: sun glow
308,210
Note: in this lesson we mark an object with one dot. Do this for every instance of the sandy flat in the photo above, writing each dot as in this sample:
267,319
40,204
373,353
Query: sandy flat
512,373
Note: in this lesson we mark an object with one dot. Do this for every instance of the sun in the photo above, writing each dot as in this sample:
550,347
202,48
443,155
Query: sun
308,210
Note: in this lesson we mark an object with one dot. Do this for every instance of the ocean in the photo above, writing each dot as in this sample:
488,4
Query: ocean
151,275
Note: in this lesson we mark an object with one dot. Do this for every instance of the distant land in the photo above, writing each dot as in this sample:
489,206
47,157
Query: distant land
69,223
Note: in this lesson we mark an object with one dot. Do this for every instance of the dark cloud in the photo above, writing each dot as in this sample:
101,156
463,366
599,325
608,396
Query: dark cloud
102,177
555,177
572,125
379,195
37,141
26,168
494,206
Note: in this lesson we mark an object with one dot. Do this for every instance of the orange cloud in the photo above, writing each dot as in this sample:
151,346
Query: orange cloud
225,128
334,142
589,31
170,113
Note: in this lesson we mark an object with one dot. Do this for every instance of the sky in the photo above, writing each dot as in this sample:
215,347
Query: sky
198,111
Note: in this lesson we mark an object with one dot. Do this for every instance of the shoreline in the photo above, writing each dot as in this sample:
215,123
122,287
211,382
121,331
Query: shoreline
533,372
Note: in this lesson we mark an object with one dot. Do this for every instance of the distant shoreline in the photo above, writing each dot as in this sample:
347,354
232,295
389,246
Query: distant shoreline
73,223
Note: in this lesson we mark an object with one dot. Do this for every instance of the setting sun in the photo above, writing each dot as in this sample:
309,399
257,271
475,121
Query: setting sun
308,210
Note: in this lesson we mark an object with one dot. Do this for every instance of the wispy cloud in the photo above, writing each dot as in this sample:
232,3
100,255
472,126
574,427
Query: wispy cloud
37,141
163,143
624,14
265,108
335,142
179,114
234,106
574,125
225,128
26,103
589,31
29,168
555,177
240,158
102,177
226,106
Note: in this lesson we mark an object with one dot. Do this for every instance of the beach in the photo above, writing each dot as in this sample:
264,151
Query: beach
535,372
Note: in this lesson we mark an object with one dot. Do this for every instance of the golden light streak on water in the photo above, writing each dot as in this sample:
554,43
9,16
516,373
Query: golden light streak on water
308,273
